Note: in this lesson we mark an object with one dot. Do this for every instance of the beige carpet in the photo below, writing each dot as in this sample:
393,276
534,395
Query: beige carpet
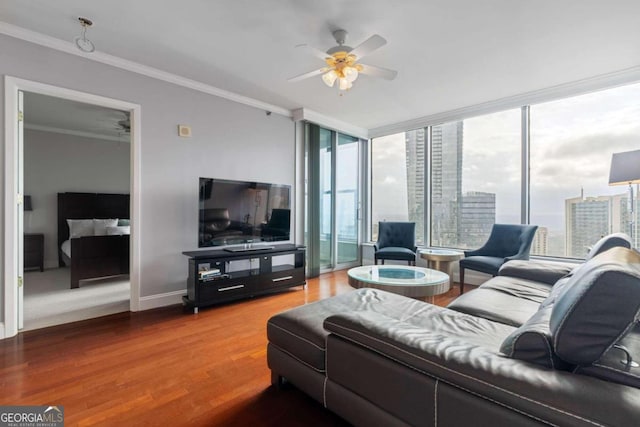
49,301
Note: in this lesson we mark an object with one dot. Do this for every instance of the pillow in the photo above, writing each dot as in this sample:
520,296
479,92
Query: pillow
118,230
123,221
80,227
100,226
532,342
597,306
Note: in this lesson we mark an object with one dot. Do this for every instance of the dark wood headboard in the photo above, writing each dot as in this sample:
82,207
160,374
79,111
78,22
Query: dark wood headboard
88,206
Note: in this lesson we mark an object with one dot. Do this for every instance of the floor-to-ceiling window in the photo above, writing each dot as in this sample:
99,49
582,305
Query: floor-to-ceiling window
476,176
572,141
397,180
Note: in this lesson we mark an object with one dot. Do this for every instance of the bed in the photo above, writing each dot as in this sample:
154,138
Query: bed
92,256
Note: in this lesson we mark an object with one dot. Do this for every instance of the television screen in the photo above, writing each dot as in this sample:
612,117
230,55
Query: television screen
236,212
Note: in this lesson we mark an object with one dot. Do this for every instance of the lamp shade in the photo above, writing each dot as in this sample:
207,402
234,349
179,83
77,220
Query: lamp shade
625,168
27,204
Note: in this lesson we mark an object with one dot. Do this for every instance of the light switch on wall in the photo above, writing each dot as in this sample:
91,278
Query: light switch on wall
184,131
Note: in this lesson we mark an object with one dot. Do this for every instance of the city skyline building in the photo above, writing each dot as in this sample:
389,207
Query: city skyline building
587,219
415,145
476,219
540,244
446,183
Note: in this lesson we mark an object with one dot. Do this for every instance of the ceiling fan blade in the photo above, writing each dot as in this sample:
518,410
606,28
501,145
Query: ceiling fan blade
307,75
315,51
384,73
369,45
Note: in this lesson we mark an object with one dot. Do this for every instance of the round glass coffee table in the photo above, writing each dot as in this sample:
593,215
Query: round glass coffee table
415,282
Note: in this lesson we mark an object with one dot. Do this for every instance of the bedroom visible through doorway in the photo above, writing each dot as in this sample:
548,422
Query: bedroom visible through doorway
76,221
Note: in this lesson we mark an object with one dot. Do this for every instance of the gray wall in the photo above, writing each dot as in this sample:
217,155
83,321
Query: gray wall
230,140
55,163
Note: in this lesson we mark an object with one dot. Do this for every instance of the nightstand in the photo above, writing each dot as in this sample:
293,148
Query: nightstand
34,251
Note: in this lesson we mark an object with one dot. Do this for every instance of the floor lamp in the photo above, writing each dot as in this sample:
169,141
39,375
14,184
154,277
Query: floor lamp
625,170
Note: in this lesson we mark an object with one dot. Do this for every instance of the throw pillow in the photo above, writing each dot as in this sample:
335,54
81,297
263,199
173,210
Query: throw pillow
100,226
118,230
80,228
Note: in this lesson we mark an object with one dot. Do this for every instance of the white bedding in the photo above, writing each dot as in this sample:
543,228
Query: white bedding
111,231
66,248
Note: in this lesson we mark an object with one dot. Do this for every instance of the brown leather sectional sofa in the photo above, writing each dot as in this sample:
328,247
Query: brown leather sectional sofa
536,345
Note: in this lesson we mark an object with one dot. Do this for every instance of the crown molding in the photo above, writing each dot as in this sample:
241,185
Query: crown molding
329,122
80,133
135,67
578,87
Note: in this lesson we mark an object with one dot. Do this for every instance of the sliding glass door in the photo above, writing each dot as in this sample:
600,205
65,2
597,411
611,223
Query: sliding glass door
333,200
346,199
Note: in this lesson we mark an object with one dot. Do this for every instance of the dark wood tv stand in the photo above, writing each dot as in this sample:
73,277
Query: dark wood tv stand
242,274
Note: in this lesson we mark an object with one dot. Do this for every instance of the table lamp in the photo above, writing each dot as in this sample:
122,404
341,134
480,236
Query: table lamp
28,207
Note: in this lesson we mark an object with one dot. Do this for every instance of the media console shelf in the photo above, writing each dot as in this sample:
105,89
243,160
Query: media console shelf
218,275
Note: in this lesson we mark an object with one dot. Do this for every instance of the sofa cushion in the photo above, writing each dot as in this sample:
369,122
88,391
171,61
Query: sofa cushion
532,342
539,271
396,253
598,306
485,264
503,299
299,332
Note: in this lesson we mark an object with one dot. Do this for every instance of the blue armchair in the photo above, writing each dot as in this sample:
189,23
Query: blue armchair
396,241
506,242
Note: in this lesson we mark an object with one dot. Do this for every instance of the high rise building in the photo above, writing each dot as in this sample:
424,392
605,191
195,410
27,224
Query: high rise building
446,183
415,143
477,216
587,219
540,245
457,219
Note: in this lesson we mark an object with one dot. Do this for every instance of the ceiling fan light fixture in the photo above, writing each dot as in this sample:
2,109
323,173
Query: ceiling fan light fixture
350,73
341,62
329,78
344,84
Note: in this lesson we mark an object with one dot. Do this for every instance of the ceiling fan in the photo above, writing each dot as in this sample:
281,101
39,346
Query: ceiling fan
121,121
125,124
342,62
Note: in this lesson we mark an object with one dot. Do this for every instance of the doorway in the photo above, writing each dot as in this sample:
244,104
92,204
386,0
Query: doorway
14,190
333,199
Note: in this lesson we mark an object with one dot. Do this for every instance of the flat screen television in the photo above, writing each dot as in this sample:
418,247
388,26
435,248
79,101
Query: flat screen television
238,212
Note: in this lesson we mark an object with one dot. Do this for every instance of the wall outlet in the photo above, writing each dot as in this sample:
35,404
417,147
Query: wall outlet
184,131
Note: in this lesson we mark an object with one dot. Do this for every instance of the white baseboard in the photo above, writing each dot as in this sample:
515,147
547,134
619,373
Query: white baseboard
161,300
2,336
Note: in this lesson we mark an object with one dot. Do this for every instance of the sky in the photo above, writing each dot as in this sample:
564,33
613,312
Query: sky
572,141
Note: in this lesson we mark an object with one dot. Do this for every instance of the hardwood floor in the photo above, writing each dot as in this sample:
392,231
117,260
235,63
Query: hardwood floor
166,366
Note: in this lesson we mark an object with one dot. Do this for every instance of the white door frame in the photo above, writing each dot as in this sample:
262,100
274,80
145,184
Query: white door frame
11,87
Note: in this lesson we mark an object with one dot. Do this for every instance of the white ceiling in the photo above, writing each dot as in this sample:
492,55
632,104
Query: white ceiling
50,114
449,54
